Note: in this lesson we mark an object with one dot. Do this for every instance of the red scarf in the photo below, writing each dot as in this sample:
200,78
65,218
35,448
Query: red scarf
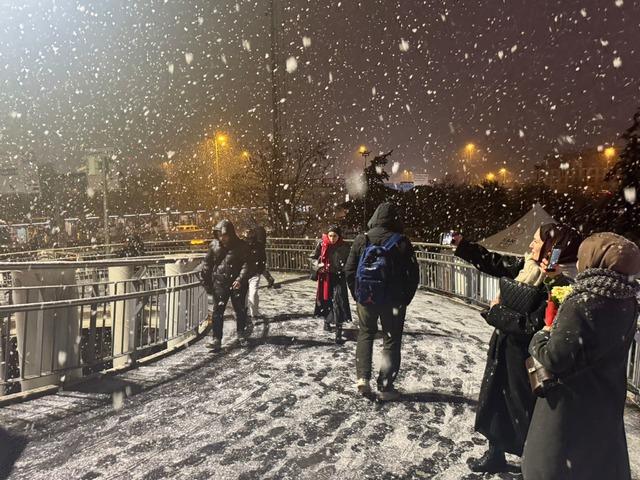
324,277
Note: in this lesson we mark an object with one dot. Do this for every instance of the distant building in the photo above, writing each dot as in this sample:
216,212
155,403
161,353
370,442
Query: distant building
18,175
587,168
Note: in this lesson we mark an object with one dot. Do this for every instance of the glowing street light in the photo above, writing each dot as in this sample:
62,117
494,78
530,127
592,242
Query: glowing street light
221,139
245,154
365,153
490,177
503,172
609,153
469,148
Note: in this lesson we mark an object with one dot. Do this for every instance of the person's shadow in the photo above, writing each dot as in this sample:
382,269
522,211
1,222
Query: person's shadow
11,447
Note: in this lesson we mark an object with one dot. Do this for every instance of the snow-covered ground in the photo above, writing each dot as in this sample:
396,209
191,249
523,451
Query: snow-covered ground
281,407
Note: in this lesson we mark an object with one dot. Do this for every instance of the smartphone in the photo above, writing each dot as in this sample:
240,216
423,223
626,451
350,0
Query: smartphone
446,238
553,260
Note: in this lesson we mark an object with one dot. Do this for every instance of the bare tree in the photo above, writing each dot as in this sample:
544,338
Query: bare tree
290,184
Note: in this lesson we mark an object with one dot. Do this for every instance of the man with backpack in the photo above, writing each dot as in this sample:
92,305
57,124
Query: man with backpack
382,275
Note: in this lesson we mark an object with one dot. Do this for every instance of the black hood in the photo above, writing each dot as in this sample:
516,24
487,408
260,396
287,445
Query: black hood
386,216
225,227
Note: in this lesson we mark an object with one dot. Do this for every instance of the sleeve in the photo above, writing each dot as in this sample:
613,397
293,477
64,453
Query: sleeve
488,262
558,350
412,270
509,321
248,267
207,268
351,267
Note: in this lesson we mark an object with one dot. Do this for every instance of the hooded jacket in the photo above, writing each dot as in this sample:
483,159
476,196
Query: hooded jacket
384,222
258,249
224,265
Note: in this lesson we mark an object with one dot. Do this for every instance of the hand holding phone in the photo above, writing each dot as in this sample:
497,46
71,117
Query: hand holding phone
553,260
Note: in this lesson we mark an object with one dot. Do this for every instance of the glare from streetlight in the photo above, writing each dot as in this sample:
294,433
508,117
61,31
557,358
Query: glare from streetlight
503,171
491,177
245,154
609,152
362,149
221,139
470,147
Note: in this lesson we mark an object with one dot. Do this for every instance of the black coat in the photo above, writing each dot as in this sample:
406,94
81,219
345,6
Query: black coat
258,251
506,403
406,274
339,305
577,431
224,265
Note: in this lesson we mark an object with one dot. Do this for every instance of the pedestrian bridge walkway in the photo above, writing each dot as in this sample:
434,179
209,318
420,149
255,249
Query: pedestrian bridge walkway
282,406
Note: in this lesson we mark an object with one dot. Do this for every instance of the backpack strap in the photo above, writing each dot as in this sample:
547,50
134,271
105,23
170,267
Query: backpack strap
392,241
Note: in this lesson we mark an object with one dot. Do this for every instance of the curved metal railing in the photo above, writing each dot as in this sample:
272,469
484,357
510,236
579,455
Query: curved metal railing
146,308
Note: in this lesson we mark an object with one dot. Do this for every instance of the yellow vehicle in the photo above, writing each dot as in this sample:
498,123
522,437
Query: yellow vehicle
193,233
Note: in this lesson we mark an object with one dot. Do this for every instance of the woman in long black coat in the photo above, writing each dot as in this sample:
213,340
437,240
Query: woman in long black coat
506,403
577,429
332,297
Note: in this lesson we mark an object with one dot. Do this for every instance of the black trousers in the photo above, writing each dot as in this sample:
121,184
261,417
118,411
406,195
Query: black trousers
221,296
392,321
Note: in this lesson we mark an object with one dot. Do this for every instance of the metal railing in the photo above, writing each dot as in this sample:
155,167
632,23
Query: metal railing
61,320
163,307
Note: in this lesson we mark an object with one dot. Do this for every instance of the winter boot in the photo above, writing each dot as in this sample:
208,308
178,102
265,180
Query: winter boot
214,344
363,386
493,461
388,395
339,339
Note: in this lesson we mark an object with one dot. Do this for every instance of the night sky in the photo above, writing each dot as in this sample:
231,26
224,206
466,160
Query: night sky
517,78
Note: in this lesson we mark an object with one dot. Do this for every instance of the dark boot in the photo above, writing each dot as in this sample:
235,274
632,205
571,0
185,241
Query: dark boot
492,461
339,339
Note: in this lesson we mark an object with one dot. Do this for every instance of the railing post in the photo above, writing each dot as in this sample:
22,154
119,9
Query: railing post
48,340
123,316
177,301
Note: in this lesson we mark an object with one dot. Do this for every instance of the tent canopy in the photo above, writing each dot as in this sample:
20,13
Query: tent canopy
517,237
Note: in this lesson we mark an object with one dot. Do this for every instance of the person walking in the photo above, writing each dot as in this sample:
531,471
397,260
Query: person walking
226,271
382,275
257,249
577,430
506,403
332,298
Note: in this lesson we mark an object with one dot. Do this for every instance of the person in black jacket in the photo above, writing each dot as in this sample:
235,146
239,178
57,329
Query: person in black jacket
258,254
225,274
401,289
332,298
577,429
506,403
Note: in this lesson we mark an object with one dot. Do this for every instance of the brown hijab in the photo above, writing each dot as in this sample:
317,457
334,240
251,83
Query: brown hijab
609,251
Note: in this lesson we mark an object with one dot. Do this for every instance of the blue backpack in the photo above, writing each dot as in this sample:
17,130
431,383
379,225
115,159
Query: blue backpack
374,272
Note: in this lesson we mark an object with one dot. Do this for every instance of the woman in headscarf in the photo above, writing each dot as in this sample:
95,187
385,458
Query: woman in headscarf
506,403
577,429
332,299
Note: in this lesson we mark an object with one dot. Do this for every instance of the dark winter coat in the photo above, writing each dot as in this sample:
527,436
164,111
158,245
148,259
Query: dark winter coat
506,403
339,305
577,431
258,250
384,222
224,265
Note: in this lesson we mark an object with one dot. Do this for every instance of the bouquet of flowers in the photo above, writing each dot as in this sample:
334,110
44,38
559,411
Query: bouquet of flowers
558,295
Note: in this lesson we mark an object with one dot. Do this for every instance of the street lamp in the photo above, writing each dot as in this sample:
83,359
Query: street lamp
490,177
365,153
221,139
503,172
469,150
